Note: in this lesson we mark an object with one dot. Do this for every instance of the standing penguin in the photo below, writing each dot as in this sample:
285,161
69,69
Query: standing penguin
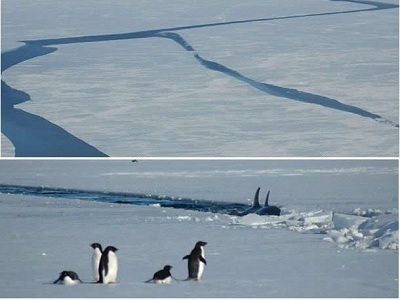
97,251
108,266
162,276
68,278
196,261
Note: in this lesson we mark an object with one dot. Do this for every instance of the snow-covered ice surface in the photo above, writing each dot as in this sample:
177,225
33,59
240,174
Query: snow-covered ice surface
337,235
209,78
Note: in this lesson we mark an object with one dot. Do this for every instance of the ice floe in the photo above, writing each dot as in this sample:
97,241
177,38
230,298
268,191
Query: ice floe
362,229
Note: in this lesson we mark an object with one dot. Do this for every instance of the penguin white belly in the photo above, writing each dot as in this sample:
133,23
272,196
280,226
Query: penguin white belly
112,268
201,270
167,280
95,264
68,281
201,265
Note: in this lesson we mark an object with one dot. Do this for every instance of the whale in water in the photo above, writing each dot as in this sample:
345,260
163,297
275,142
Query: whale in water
255,207
269,210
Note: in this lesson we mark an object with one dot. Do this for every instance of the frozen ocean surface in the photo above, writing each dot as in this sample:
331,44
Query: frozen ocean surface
222,78
337,235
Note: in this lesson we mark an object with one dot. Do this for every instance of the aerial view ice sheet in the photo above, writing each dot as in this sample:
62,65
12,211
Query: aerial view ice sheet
336,235
200,78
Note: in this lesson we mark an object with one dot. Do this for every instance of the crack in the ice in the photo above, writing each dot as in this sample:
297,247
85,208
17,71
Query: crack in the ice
35,48
229,208
274,89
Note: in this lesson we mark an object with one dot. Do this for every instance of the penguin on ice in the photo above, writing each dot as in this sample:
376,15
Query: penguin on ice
269,210
68,278
256,205
97,251
196,261
108,266
163,276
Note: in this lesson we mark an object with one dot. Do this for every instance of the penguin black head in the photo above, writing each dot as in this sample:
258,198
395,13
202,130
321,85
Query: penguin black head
64,274
167,268
200,244
96,245
110,248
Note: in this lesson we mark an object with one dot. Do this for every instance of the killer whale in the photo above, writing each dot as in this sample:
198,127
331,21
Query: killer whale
268,210
255,207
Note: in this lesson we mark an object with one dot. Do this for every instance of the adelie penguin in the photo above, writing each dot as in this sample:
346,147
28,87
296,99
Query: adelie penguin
163,276
68,278
108,266
97,251
196,261
269,210
256,205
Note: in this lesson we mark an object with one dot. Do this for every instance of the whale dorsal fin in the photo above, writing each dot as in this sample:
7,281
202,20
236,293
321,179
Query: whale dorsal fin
256,202
266,200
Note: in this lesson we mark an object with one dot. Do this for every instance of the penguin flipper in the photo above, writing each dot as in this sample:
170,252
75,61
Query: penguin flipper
203,260
186,257
56,281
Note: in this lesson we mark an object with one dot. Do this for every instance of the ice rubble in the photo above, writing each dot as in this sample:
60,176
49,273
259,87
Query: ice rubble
361,229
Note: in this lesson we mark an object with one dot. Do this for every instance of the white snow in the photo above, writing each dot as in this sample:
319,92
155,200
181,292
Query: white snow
322,245
151,96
